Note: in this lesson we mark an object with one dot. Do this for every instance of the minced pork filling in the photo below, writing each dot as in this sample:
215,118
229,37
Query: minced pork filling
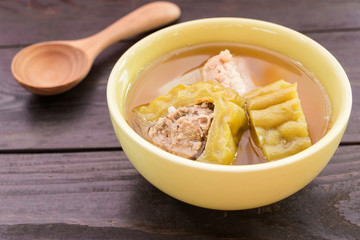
183,131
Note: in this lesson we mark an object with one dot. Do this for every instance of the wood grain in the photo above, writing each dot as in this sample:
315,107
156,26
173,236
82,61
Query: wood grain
92,194
73,19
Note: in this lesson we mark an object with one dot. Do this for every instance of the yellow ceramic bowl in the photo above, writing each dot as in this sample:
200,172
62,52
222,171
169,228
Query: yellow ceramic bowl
218,186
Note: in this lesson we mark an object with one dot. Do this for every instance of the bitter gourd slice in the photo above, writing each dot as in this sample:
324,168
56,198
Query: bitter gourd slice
277,120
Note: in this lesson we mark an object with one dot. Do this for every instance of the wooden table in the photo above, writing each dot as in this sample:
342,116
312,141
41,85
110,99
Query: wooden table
63,174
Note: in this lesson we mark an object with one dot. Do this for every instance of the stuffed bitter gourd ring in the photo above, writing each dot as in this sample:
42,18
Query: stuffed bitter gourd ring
277,120
228,123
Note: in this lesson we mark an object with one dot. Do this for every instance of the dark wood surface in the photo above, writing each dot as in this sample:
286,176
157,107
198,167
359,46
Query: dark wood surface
63,174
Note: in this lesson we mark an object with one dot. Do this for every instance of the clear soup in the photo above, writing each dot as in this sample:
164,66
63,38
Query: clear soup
265,67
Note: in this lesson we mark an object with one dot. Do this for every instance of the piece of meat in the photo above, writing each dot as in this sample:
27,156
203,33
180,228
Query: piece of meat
228,71
184,130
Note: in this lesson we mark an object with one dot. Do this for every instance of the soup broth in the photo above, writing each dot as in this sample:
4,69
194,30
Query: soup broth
265,67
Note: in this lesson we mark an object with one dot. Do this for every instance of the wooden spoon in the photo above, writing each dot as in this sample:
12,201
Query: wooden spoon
54,67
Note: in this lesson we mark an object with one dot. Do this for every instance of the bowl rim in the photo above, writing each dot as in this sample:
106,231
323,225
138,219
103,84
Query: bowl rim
336,128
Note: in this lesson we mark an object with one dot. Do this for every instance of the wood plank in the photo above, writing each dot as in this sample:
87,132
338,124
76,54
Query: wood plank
80,119
43,20
94,195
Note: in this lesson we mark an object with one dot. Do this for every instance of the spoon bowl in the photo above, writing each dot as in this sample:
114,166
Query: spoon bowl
54,67
50,67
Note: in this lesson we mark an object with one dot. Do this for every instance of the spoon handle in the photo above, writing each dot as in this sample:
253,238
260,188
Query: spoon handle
145,18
